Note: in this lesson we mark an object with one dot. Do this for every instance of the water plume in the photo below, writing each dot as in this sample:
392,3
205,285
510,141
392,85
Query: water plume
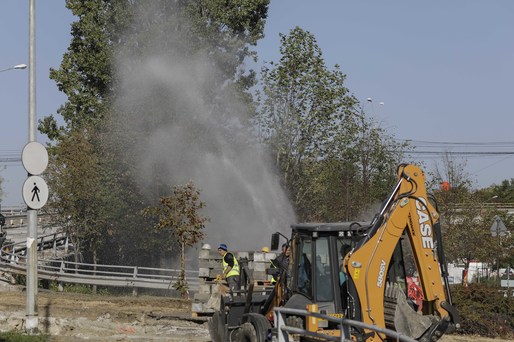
187,125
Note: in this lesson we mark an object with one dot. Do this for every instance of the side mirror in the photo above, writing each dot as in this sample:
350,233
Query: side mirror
275,237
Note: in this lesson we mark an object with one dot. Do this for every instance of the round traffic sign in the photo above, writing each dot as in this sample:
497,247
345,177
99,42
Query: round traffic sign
35,192
34,158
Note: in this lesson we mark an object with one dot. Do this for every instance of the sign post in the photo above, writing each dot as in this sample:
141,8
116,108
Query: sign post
32,323
35,192
34,158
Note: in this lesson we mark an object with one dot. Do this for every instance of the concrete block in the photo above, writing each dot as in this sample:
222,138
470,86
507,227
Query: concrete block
209,263
204,288
197,307
203,272
208,254
202,297
270,256
259,275
259,256
260,266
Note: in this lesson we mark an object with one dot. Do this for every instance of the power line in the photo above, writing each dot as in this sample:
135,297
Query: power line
427,149
464,153
435,149
449,144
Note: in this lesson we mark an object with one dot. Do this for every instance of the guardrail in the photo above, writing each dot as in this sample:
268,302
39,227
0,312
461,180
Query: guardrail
56,268
44,242
282,330
14,209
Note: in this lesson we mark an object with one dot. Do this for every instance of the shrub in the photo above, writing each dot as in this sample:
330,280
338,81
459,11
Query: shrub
484,310
15,336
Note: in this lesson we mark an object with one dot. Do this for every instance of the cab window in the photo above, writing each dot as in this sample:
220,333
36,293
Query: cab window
304,268
323,271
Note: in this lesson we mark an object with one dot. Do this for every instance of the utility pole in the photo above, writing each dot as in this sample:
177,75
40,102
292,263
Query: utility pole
31,307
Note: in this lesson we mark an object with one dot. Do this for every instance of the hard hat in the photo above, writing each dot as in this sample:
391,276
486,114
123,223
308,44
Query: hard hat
265,249
206,246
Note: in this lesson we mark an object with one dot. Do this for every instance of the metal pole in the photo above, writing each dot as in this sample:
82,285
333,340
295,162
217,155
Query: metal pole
31,308
499,251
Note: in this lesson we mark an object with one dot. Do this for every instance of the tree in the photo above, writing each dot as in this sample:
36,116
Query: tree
304,107
313,124
85,74
465,225
504,192
452,171
73,176
467,216
179,216
75,171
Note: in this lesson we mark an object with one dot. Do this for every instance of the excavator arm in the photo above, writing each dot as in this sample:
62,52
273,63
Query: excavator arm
407,211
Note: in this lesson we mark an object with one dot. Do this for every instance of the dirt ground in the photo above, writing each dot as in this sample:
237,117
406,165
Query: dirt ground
76,317
72,317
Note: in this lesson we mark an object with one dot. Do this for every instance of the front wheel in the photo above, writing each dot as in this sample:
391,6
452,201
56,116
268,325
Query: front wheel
246,333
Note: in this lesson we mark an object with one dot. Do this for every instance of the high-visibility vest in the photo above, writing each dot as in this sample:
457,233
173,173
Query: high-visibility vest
235,269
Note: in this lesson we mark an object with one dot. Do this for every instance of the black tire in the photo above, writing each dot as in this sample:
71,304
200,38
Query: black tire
261,326
246,333
216,328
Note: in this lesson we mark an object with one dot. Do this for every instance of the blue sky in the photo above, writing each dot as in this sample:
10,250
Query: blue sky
443,69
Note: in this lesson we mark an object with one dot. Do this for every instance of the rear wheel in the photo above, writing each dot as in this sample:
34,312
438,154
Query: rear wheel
246,333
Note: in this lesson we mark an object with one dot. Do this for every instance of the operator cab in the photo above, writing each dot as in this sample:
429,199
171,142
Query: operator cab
317,276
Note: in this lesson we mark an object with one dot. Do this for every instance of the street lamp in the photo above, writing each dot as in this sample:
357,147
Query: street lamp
498,229
16,67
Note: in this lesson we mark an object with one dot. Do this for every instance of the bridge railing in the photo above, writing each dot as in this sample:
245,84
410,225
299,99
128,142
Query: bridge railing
57,268
44,242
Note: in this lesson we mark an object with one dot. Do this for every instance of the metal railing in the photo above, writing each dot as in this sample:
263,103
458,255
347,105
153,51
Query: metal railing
283,331
55,267
47,242
13,209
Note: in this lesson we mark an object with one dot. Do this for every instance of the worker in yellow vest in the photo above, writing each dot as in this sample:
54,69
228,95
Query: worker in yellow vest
230,267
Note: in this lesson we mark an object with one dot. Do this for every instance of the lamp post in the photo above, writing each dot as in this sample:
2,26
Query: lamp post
497,229
16,67
32,321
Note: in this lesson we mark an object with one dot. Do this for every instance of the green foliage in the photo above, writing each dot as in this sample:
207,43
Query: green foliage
85,72
332,158
179,214
466,220
465,226
17,336
504,191
484,311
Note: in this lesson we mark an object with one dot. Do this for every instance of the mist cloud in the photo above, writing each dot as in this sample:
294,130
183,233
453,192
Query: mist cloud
179,137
